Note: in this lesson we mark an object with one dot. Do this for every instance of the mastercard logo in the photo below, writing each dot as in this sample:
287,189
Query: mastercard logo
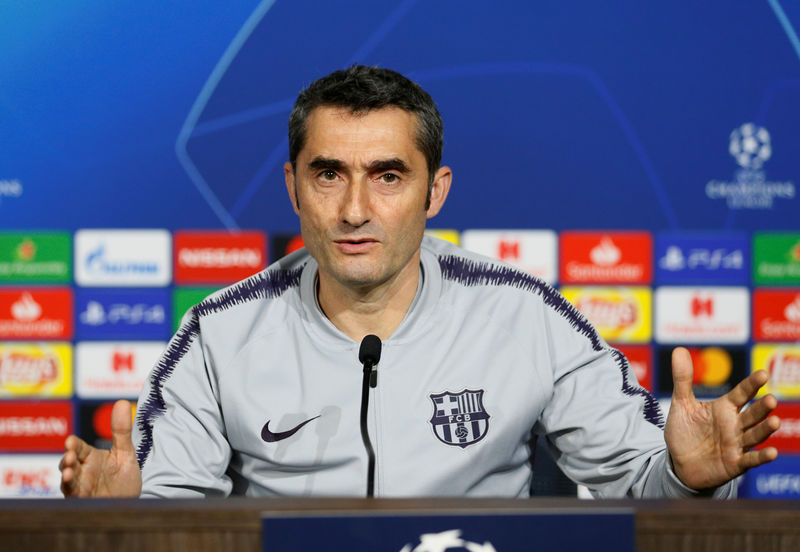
101,420
712,366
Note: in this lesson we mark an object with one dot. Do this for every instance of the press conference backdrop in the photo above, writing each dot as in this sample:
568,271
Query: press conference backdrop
652,147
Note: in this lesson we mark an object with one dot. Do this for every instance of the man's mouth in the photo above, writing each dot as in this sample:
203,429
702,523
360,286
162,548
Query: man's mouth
358,245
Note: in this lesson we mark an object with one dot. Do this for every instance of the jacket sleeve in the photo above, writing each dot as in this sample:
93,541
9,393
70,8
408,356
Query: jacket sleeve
604,430
179,433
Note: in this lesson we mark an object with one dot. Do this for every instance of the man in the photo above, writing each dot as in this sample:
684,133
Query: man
259,392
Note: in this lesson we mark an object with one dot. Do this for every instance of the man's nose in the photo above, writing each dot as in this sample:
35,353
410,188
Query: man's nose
355,206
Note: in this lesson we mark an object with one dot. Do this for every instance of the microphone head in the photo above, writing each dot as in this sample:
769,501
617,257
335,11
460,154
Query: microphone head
370,350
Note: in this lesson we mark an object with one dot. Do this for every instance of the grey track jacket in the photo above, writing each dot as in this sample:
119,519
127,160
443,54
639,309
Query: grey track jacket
258,394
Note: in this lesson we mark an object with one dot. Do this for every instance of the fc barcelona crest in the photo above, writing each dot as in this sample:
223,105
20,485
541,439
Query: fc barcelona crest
459,419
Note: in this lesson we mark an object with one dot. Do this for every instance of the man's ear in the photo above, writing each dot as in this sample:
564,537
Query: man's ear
439,190
291,188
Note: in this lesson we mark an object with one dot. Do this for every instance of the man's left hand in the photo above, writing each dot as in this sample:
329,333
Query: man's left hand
710,442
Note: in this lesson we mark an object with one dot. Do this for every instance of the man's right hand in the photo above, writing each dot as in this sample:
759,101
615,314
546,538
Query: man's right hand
88,471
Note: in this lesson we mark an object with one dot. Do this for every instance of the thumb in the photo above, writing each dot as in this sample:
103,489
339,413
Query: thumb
121,426
682,374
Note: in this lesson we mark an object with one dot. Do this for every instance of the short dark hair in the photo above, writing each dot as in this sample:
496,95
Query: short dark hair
361,89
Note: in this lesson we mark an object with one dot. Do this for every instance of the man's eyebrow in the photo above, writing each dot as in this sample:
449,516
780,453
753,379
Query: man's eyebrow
394,164
320,163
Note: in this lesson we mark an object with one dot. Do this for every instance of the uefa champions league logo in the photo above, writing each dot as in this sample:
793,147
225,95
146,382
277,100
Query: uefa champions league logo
750,146
447,541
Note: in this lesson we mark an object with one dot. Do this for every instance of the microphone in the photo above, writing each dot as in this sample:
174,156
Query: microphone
369,354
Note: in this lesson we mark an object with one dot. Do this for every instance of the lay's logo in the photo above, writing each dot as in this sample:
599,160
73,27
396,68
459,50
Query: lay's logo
620,314
35,370
782,363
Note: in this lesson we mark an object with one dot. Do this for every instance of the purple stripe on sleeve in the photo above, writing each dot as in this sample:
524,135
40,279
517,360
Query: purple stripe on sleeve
473,273
264,285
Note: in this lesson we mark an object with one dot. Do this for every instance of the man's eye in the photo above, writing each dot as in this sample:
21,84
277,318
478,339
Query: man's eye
328,175
389,178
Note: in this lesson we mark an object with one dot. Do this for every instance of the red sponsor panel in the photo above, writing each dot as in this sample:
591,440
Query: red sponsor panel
606,257
787,438
218,257
640,357
34,426
35,313
776,315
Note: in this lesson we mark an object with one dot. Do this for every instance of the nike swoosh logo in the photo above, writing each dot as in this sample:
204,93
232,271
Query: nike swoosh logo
271,437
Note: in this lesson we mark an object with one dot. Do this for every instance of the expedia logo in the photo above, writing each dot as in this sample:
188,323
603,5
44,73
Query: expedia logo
210,257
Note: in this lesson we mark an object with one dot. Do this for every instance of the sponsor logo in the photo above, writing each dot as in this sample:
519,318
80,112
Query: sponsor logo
776,315
41,370
640,359
592,257
776,258
185,298
702,315
272,437
121,314
10,189
620,314
782,363
533,251
218,257
751,146
452,236
95,423
30,476
283,244
777,479
441,542
787,438
29,426
122,258
716,369
36,314
114,369
35,257
687,259
459,419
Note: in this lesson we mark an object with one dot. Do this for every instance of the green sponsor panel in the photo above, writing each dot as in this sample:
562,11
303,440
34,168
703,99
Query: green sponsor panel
35,257
185,298
776,259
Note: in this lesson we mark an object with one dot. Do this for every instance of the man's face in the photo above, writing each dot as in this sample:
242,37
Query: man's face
360,188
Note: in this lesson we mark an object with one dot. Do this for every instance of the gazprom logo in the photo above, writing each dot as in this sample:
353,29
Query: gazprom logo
123,258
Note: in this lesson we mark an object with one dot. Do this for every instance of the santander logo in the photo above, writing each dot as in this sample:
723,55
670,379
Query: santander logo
26,309
792,310
605,253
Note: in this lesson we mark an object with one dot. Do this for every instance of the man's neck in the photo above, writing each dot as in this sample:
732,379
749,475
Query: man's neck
377,310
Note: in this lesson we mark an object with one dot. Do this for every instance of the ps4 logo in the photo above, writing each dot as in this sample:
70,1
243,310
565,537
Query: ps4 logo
122,313
701,259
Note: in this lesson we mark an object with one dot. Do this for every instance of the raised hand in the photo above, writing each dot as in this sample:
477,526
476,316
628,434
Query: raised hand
88,471
709,442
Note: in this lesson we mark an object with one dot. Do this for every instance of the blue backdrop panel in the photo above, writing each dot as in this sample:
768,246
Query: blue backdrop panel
562,115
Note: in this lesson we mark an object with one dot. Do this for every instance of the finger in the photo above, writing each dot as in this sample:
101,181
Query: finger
756,458
682,374
747,388
758,411
67,478
759,433
121,427
68,460
79,446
